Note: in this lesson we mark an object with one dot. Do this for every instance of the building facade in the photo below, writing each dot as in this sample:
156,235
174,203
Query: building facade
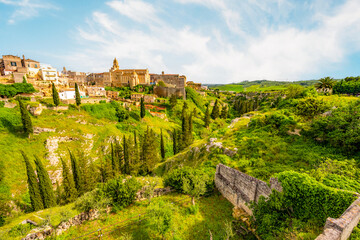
95,91
99,79
174,85
48,73
128,77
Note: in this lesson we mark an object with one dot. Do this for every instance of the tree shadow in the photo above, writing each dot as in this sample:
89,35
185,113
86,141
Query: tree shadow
14,129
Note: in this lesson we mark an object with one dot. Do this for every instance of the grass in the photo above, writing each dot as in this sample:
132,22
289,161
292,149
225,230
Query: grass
56,215
212,214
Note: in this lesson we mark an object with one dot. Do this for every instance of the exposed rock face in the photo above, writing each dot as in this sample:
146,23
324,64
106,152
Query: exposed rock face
38,130
140,195
36,111
9,105
227,151
52,144
240,188
42,233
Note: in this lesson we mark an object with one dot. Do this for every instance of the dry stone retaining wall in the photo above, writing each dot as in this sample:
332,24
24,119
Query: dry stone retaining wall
240,188
341,228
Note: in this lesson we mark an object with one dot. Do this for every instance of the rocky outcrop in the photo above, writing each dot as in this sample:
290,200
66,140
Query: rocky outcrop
38,130
52,144
42,233
214,144
141,195
36,110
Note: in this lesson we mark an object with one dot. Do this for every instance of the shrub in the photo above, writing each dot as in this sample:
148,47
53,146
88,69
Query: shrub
161,216
122,192
175,179
274,122
16,88
311,107
92,200
20,230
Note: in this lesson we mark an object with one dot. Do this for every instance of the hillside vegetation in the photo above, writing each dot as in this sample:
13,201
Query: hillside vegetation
98,156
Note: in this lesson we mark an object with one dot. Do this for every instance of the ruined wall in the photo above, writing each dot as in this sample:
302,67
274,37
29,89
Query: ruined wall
240,188
169,91
341,228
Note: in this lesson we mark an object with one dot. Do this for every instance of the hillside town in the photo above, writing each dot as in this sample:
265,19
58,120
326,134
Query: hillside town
94,87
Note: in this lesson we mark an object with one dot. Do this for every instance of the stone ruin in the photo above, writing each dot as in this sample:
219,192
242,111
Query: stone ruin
241,189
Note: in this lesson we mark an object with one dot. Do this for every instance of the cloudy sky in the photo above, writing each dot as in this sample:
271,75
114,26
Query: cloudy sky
210,41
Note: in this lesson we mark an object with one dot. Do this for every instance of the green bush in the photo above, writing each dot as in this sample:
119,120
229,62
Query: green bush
20,230
92,200
16,88
196,98
122,192
340,129
274,122
311,107
160,217
304,201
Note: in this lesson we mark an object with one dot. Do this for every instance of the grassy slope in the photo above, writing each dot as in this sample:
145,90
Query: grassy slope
213,212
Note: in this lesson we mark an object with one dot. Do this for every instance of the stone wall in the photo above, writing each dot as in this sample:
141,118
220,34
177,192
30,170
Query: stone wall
241,189
341,228
49,231
169,91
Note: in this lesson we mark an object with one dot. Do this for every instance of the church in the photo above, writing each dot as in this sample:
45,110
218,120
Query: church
128,77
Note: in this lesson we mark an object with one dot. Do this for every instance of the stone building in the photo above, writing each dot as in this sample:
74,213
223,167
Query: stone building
10,64
149,98
99,79
48,73
128,77
136,97
174,85
96,91
76,77
112,94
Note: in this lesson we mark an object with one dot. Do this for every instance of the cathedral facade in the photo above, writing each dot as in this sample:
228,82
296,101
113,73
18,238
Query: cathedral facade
128,77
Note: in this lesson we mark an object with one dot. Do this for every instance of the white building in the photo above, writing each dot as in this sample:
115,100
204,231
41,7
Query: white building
48,73
70,94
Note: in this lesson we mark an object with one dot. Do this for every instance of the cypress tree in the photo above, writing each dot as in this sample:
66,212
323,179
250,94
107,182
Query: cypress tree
45,185
162,147
207,117
25,118
70,193
55,95
135,141
58,192
126,169
216,111
114,162
224,112
24,79
76,173
142,108
175,147
77,95
33,186
149,153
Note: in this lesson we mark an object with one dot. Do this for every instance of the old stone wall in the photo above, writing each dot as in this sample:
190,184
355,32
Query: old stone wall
48,231
169,91
241,189
341,228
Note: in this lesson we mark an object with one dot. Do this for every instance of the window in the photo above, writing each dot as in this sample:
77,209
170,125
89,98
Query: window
28,65
36,65
13,64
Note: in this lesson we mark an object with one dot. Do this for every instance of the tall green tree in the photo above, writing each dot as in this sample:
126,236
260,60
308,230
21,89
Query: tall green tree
58,193
162,147
216,111
149,153
68,184
175,142
77,95
76,173
194,185
24,79
224,112
45,185
126,147
207,117
55,95
142,108
25,118
33,186
173,101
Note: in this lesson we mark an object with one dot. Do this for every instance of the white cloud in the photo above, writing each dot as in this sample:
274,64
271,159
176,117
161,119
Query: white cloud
25,9
284,52
135,9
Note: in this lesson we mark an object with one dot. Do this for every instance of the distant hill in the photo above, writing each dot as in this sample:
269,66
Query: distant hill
259,85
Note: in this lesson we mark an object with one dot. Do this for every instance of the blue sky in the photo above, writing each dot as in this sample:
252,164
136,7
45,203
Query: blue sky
210,41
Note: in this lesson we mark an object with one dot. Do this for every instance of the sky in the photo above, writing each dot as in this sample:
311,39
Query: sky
209,41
